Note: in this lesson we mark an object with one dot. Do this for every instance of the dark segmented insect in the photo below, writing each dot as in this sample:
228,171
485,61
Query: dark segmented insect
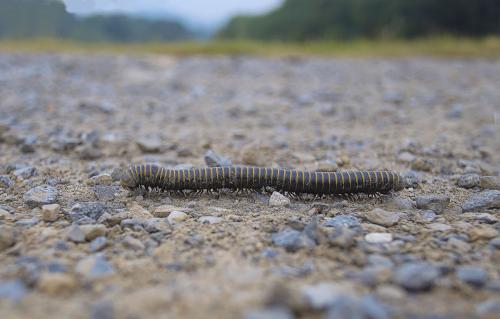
244,177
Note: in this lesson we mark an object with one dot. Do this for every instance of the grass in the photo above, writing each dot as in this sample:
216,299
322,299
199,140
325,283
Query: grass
434,47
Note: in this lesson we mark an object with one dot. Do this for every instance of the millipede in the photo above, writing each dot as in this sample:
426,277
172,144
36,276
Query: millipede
290,181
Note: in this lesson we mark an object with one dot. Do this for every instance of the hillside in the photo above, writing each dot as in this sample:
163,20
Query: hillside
35,18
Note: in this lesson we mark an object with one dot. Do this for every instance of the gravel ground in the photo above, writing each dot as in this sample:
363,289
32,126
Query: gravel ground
74,244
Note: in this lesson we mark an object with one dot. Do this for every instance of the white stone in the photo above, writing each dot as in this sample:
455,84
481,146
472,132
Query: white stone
378,238
176,217
277,200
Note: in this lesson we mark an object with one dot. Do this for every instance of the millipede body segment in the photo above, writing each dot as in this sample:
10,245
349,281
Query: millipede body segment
245,177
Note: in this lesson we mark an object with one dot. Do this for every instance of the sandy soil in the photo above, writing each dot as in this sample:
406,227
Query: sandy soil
70,122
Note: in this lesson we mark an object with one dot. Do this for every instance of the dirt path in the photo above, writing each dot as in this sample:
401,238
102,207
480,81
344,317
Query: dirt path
68,124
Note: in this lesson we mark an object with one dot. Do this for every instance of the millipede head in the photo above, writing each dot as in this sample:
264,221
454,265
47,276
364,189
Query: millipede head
128,180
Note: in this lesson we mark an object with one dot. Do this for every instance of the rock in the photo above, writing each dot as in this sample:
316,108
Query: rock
5,181
176,217
428,215
416,276
269,313
436,203
490,182
210,220
165,210
350,307
390,292
56,283
106,193
278,200
50,213
94,268
378,238
468,181
422,164
75,234
98,244
439,227
482,217
488,307
88,152
292,240
13,290
137,211
399,203
40,195
8,237
28,222
342,237
153,225
475,276
87,212
481,232
25,172
213,159
102,310
132,243
322,295
380,260
101,179
149,144
406,157
342,221
495,243
4,215
134,223
381,217
489,199
93,231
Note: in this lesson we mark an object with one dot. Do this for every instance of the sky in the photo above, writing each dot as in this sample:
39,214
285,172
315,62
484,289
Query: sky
200,13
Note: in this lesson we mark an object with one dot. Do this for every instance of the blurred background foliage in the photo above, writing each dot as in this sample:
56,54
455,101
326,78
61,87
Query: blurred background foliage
324,27
299,20
295,20
49,19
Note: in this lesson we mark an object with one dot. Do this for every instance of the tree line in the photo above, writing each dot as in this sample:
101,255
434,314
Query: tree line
43,18
301,20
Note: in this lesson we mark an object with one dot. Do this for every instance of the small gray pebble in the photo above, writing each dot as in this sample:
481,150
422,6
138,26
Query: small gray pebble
488,199
436,203
102,310
416,276
269,313
40,195
98,244
468,181
215,160
475,276
341,221
13,290
292,240
5,181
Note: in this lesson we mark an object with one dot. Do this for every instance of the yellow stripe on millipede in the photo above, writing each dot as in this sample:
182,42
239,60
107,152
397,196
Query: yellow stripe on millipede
329,182
388,180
